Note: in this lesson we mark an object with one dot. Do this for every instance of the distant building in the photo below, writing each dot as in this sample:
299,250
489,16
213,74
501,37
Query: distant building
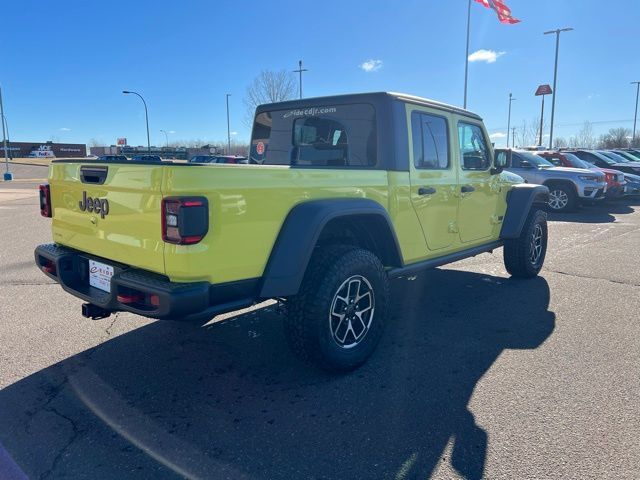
44,149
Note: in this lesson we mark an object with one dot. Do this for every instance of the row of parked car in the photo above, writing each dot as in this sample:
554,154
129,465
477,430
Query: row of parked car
577,175
573,176
156,158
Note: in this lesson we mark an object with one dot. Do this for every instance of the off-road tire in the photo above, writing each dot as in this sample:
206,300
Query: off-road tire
308,323
519,253
560,193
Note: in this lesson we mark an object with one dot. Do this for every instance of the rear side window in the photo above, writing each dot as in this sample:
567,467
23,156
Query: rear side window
323,136
557,161
474,151
430,141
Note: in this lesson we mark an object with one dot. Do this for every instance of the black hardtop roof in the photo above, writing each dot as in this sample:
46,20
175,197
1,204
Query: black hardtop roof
375,98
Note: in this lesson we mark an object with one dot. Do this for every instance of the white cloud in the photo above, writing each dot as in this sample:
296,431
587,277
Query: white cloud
488,56
591,96
497,135
64,129
171,131
234,133
371,65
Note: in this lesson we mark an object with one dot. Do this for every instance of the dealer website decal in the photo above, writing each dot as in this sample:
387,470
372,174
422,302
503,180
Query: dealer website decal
310,112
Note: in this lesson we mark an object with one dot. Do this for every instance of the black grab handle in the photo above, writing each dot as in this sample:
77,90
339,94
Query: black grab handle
94,175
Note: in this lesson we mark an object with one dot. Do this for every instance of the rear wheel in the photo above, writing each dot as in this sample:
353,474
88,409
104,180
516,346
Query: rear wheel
337,318
524,256
562,198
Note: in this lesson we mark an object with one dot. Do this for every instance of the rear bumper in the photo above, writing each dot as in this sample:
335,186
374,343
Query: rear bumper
171,300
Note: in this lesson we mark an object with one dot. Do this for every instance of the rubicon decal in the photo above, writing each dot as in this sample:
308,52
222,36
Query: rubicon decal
95,205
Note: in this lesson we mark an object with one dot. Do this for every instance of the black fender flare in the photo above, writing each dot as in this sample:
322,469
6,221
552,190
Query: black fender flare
520,199
299,235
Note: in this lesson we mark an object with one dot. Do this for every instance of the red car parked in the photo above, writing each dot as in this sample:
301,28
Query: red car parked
615,179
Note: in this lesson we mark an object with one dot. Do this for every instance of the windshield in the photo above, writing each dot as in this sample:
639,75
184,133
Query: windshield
615,157
534,159
602,157
628,156
576,162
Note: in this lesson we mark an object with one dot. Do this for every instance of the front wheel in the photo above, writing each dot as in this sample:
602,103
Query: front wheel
562,198
524,256
337,318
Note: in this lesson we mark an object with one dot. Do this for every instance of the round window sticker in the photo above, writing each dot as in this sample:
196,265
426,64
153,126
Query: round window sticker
260,148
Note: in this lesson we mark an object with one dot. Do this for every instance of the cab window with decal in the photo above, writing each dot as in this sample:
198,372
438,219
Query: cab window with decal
332,137
474,150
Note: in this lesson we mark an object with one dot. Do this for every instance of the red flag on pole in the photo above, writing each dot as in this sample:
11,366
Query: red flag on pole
504,12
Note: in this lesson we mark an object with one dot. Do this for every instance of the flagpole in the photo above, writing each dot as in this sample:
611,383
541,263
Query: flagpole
466,58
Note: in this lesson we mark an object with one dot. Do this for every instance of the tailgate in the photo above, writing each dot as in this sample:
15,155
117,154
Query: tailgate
110,210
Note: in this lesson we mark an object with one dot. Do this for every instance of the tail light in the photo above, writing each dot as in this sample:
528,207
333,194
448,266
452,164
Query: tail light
45,200
185,220
48,266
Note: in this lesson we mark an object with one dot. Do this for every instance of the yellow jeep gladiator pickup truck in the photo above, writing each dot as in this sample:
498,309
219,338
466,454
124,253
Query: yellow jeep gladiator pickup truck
340,195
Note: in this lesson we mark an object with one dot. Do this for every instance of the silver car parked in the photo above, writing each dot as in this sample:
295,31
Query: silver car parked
567,186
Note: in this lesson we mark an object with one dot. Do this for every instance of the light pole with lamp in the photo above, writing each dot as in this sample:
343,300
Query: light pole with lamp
300,71
635,116
555,79
146,116
511,99
228,127
7,174
166,137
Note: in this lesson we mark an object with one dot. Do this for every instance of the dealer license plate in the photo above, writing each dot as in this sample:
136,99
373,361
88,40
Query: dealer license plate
100,275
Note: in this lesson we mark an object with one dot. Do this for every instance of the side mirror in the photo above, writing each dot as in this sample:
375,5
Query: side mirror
499,162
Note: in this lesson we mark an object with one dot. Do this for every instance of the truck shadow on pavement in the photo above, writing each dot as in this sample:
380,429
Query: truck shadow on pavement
601,213
228,400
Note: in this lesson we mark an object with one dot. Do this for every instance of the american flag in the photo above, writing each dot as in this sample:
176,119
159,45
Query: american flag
504,12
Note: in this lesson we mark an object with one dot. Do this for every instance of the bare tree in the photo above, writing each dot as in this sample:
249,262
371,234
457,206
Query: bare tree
534,130
529,132
268,87
94,142
615,138
585,137
524,134
560,142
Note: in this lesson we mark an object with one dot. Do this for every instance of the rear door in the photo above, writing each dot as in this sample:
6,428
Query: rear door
478,188
111,210
434,180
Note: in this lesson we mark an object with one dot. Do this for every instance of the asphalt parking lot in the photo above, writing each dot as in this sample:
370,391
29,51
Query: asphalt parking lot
477,375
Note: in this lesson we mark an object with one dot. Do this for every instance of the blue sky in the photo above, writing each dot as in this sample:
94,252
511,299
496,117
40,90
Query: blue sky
65,63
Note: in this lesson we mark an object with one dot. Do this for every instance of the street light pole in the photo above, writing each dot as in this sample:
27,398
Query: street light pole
635,116
511,99
166,137
146,116
299,71
7,174
466,58
228,127
541,122
555,79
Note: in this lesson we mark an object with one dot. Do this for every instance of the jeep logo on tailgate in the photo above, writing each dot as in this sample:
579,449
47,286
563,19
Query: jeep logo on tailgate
97,205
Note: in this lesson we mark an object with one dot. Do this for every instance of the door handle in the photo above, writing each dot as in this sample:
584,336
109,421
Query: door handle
467,189
426,191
